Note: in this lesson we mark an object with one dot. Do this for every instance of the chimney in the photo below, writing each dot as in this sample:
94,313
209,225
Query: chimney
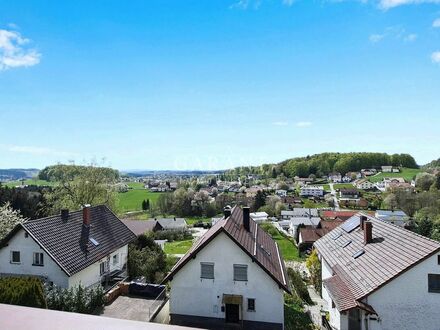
86,215
363,219
64,214
368,232
227,211
246,216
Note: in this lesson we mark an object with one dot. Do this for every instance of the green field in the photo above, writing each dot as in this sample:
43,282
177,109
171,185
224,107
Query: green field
132,199
29,182
178,247
136,185
407,173
342,185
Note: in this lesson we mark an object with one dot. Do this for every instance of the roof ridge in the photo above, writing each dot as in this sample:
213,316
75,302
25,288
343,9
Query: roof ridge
70,213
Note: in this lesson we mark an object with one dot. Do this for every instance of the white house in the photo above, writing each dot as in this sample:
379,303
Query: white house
281,192
363,184
84,247
298,212
377,276
335,177
259,216
234,274
315,191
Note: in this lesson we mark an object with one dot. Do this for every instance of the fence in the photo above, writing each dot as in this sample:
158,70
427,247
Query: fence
157,303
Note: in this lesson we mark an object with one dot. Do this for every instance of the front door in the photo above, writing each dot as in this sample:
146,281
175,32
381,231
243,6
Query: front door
232,313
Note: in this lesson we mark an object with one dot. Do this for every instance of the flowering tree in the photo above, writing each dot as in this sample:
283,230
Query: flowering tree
9,218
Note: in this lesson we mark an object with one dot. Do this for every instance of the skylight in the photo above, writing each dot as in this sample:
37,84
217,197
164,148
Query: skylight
337,236
346,244
94,241
358,254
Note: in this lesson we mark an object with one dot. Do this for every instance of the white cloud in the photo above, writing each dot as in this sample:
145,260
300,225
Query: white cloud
37,151
435,57
387,4
288,2
411,37
374,38
304,124
436,23
280,123
14,52
245,4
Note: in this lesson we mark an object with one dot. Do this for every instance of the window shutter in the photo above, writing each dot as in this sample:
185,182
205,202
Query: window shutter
207,270
240,273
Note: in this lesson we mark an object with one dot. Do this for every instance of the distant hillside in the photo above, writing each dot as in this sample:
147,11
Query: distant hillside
325,163
18,173
435,164
141,173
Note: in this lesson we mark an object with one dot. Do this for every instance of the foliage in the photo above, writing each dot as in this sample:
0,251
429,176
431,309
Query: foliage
23,291
80,185
289,250
314,266
260,200
146,204
294,315
30,201
299,285
76,299
172,235
178,247
424,181
9,218
146,258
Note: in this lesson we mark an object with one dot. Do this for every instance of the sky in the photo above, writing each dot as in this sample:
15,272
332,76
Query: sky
215,84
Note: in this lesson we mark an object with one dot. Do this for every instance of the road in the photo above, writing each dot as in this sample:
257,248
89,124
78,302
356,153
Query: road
335,198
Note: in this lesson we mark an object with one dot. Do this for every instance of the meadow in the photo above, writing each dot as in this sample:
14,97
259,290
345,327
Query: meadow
29,182
132,199
407,173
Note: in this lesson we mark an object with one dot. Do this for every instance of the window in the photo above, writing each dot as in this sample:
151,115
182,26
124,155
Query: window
206,270
38,259
240,273
251,305
434,283
438,259
15,257
103,267
115,259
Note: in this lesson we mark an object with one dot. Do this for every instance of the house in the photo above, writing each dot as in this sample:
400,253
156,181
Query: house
140,227
234,274
378,276
314,191
302,181
368,172
83,247
298,212
348,193
281,192
308,235
337,215
335,177
259,216
363,184
390,169
396,217
171,224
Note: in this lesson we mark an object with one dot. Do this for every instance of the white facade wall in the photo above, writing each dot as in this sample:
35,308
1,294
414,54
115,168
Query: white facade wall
191,295
27,246
91,275
51,270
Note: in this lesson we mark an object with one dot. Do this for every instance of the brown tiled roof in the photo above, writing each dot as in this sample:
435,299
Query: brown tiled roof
393,251
336,214
311,235
139,227
330,224
67,241
263,250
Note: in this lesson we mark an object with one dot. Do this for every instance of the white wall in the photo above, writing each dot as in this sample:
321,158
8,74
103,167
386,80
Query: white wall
91,275
27,247
191,295
405,302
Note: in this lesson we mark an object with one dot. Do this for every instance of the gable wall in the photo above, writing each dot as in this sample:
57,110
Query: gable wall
191,295
27,246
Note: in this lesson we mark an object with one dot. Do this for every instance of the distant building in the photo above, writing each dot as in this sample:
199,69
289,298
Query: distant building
259,216
363,184
312,191
281,193
171,224
396,217
298,212
335,177
348,193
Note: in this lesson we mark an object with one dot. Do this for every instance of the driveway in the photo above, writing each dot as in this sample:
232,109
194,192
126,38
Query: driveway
335,198
129,308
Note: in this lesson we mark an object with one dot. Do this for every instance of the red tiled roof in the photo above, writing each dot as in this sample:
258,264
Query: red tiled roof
336,214
311,235
393,251
256,243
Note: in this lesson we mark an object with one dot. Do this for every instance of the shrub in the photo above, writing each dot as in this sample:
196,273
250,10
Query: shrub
23,291
299,285
173,235
76,299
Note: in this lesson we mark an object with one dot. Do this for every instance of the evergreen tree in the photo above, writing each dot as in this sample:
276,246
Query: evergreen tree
260,200
425,227
148,204
144,205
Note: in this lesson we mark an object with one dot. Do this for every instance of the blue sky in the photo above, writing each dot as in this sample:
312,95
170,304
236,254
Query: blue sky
215,84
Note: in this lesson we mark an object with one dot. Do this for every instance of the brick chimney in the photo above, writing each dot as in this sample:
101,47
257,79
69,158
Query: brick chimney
368,232
86,215
246,218
363,219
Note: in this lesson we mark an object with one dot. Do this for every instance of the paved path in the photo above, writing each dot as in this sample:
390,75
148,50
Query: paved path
335,198
315,310
129,308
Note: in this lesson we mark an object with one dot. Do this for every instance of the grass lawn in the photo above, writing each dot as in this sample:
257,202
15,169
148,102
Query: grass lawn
406,173
178,247
342,185
294,315
326,187
136,185
193,220
288,249
132,199
29,182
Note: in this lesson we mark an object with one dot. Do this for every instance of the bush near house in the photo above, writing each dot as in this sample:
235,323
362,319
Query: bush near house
23,291
76,299
299,286
294,315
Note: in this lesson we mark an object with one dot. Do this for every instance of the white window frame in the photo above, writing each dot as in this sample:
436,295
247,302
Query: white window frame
12,259
237,266
103,267
38,259
207,264
115,259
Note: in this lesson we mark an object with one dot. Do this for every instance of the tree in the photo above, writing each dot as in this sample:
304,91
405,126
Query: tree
314,266
9,218
390,202
424,181
165,203
424,227
260,200
147,205
81,185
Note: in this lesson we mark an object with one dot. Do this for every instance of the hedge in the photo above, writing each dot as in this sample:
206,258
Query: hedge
23,291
